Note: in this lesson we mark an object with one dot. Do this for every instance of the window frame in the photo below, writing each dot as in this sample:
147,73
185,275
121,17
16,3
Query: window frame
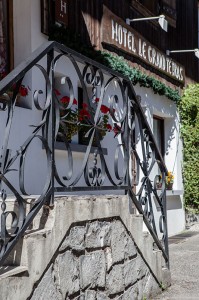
162,136
145,12
8,15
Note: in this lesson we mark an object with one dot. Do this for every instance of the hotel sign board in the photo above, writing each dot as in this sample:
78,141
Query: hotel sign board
61,12
117,33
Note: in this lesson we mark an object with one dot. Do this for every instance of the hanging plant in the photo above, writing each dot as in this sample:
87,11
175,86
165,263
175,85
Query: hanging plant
75,119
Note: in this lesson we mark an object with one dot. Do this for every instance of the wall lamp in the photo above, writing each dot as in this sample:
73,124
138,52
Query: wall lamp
182,51
161,20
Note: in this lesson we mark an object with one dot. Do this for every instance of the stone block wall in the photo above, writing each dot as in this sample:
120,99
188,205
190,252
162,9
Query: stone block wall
191,219
97,260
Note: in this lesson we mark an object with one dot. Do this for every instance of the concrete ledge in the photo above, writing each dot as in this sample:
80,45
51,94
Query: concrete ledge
8,271
174,192
40,246
78,148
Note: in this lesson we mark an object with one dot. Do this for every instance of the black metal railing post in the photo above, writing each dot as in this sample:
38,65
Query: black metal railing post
166,241
53,120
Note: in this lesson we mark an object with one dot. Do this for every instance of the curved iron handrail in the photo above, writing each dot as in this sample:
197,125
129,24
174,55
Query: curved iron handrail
126,119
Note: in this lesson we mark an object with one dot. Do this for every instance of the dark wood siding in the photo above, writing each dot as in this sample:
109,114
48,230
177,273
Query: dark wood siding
186,35
85,20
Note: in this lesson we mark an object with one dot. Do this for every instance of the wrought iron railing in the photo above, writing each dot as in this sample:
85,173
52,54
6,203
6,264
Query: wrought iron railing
71,94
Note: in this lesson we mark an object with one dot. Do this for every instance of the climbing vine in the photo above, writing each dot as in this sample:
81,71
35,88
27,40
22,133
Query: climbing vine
189,113
117,63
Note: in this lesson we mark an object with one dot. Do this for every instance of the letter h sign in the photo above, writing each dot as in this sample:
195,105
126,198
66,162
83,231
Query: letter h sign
61,12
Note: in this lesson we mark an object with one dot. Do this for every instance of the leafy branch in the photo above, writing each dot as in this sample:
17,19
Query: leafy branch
189,114
116,63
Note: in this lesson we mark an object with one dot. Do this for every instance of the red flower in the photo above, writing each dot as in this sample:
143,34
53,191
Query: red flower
65,100
84,105
104,109
116,129
14,86
57,92
109,127
2,75
97,100
75,101
23,91
84,113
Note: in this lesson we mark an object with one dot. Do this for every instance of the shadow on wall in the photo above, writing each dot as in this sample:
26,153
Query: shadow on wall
173,202
168,112
171,127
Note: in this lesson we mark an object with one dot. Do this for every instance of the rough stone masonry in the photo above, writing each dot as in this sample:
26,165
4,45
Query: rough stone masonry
97,260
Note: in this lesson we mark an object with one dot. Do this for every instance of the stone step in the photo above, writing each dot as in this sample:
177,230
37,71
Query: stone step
153,257
39,220
18,256
147,248
39,245
156,264
166,278
135,226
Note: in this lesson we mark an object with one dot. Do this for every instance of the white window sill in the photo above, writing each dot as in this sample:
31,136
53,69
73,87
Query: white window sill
78,148
174,192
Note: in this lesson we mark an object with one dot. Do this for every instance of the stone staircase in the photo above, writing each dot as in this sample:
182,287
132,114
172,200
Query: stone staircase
85,247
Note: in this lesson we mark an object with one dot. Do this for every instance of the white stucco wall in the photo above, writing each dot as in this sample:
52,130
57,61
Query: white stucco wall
27,37
161,106
27,28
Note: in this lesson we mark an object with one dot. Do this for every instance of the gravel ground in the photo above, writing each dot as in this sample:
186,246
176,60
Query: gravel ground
194,228
184,265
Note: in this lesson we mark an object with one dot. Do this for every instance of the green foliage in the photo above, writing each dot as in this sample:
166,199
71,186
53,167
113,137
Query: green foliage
162,286
116,63
136,76
189,113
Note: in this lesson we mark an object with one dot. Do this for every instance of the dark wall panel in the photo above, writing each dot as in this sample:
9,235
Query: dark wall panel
85,20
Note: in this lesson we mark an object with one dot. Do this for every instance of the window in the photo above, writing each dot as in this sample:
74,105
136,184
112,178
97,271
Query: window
158,131
168,8
198,25
83,139
61,12
4,38
152,6
45,10
156,7
53,11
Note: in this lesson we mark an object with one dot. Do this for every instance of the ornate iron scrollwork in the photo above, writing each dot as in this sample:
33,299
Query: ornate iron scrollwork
124,128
